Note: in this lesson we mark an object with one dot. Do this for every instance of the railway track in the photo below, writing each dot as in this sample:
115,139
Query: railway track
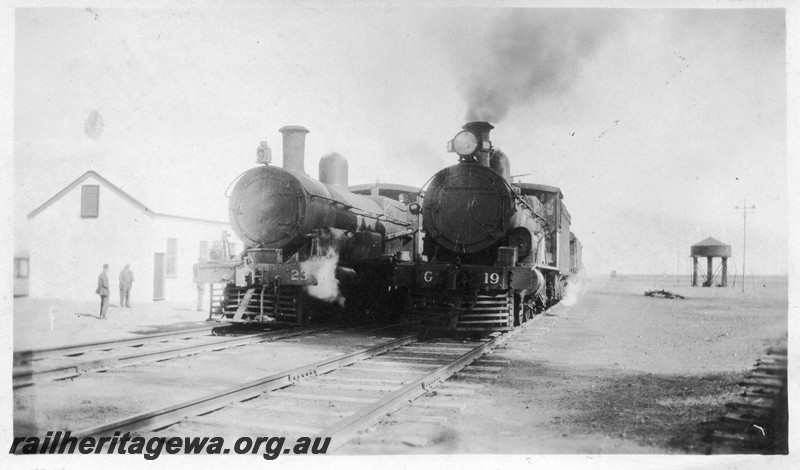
61,363
335,397
757,422
30,356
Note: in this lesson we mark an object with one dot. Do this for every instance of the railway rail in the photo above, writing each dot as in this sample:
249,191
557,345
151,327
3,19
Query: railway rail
58,363
29,356
756,423
335,397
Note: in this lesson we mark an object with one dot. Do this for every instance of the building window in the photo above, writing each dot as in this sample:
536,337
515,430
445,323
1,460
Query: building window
172,257
21,268
203,250
90,200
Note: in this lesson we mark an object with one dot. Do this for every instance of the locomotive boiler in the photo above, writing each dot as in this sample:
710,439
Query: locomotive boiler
494,252
306,238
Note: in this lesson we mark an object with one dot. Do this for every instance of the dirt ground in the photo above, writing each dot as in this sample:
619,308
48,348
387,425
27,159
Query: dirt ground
44,323
617,372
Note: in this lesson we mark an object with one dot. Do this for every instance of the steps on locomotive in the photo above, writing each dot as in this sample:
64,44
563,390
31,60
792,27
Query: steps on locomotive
484,312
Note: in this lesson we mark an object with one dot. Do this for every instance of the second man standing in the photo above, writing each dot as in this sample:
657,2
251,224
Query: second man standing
125,284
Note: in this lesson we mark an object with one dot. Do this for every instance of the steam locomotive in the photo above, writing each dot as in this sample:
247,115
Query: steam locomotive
494,252
306,239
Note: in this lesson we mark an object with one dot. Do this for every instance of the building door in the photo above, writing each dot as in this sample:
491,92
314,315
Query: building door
21,266
158,276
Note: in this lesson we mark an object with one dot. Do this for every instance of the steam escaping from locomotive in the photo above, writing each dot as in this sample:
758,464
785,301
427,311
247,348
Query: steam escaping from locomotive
523,55
323,268
574,289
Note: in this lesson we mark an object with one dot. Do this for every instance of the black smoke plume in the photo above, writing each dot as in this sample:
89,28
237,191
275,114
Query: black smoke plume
516,56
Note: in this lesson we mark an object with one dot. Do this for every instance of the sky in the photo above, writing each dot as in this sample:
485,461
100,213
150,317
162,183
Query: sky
655,123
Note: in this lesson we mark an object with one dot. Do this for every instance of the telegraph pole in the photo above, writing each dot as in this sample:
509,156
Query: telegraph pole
744,209
678,261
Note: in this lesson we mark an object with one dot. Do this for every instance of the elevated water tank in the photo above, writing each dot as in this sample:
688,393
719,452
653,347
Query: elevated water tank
710,248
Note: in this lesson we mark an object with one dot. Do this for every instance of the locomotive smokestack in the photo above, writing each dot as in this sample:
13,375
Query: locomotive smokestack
481,129
294,147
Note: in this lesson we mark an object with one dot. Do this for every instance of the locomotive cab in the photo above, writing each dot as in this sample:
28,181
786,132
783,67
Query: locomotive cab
557,238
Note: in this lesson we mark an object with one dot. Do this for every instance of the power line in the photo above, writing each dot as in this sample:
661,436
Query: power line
744,210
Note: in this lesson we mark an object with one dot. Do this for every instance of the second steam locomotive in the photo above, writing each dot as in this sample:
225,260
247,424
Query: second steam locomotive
494,252
306,239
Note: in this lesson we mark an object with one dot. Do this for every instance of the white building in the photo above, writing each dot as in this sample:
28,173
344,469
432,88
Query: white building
92,222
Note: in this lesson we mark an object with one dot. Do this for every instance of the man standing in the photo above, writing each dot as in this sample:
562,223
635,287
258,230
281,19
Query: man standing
201,286
125,284
102,291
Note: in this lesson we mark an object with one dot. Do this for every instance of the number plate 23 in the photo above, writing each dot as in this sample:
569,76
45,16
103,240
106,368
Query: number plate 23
298,275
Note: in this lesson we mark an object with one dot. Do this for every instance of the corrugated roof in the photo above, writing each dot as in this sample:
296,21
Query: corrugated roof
539,187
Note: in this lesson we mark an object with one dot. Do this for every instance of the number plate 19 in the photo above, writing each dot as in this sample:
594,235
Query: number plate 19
492,279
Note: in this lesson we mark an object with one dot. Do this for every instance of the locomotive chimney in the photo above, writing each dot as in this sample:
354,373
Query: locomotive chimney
481,129
294,147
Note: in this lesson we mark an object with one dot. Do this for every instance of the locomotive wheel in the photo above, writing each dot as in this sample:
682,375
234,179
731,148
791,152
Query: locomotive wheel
529,307
555,289
518,310
540,303
303,317
557,296
559,288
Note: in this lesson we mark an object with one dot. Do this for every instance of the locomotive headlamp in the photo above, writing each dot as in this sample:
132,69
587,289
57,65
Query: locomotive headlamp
263,153
414,208
464,143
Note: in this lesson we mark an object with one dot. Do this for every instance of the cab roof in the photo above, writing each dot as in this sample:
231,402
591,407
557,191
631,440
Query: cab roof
529,187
